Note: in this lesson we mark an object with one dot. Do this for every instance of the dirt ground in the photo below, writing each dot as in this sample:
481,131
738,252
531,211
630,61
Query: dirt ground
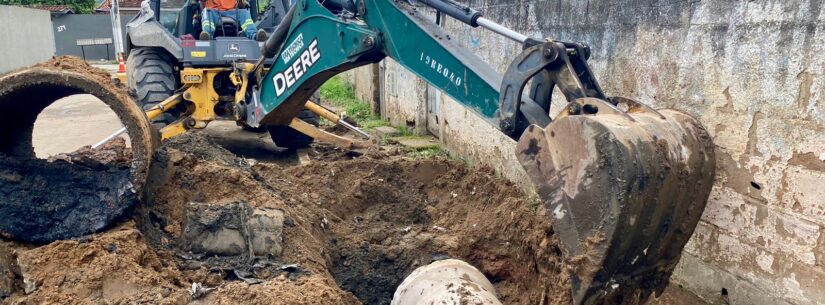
355,228
356,224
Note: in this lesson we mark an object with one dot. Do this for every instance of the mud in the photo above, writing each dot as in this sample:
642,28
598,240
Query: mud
354,228
85,189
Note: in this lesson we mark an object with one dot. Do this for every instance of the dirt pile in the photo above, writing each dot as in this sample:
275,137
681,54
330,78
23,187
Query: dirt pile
353,230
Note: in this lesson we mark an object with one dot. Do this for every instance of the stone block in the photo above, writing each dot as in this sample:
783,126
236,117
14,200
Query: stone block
417,143
385,132
266,231
233,229
804,193
717,286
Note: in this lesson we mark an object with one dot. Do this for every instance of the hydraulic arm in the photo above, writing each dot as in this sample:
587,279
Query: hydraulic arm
322,43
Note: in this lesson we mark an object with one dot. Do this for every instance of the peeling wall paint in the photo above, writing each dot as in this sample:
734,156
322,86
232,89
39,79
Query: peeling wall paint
751,71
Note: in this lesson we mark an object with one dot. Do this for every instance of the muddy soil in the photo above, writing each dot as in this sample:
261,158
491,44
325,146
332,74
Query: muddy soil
355,227
67,186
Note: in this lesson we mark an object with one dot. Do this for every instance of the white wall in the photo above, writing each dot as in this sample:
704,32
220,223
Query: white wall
25,37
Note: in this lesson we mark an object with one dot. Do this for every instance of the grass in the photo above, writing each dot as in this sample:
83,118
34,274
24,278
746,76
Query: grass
427,152
404,131
532,200
341,94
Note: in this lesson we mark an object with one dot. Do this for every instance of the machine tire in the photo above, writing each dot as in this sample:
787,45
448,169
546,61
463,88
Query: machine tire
151,79
286,137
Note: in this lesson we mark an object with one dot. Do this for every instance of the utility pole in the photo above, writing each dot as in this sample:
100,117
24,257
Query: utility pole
117,33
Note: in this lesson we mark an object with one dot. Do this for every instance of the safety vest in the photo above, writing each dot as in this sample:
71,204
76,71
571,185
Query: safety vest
222,5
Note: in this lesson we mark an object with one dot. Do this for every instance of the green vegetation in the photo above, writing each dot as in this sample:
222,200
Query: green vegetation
78,6
404,131
436,151
532,200
338,92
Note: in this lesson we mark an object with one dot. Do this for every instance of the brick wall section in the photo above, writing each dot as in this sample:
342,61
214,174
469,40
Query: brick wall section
751,71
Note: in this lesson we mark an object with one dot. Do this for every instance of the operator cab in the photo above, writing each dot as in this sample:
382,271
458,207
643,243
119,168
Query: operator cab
182,18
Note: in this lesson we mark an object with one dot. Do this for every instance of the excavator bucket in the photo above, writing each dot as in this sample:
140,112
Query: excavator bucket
625,189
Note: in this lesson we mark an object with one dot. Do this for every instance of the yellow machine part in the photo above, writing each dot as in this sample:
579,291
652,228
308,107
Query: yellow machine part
201,93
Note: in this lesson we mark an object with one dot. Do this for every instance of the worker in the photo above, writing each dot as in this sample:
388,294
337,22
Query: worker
213,10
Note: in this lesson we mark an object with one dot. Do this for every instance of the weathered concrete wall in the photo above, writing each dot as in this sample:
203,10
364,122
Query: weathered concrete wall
25,37
751,71
369,90
404,97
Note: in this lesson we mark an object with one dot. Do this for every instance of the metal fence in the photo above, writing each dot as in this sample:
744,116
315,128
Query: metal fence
86,36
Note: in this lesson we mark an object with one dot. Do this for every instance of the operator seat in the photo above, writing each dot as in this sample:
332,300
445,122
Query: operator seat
229,26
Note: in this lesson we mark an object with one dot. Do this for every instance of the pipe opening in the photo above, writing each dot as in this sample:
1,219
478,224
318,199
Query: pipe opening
74,122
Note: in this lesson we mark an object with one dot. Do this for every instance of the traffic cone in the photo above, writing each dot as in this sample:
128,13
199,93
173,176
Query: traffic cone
121,69
121,65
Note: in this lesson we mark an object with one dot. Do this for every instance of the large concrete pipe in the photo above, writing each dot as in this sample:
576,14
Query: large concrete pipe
446,282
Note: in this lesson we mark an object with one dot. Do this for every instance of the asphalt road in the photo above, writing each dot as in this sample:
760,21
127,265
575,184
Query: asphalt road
71,123
80,120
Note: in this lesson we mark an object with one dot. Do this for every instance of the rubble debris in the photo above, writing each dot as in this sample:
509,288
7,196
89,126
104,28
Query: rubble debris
247,276
8,271
198,291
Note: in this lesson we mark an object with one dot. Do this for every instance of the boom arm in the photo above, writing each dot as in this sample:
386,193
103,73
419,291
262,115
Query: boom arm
321,44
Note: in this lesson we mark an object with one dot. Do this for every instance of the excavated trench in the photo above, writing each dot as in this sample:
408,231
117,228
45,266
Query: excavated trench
345,230
353,229
360,225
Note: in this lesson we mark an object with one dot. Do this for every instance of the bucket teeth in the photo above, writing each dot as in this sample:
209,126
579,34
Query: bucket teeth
625,191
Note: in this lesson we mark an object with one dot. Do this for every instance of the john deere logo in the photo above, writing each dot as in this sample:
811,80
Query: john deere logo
234,48
192,79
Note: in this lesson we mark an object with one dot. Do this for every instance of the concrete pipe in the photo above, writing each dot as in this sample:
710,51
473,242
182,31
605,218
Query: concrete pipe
446,282
44,201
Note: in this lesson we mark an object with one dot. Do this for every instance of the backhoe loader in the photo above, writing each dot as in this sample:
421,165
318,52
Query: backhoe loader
624,184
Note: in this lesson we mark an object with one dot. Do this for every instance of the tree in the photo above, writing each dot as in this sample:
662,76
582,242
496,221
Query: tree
78,6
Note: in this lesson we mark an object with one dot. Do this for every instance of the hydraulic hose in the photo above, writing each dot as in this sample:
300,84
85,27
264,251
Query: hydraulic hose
272,46
473,18
456,10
